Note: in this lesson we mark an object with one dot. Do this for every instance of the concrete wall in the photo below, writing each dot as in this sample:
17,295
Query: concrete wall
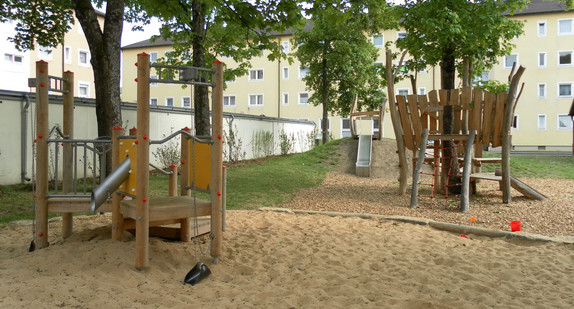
17,123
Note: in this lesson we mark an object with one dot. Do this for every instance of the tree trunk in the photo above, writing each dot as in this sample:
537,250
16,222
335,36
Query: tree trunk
450,162
105,60
325,98
201,97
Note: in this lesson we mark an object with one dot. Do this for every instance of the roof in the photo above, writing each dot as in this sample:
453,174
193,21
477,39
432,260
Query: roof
159,41
543,6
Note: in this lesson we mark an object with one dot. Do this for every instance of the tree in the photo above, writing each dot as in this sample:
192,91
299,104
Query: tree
235,29
456,32
340,57
46,22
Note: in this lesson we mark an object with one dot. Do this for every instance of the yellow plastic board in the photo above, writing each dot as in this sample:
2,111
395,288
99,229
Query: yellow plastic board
201,164
128,147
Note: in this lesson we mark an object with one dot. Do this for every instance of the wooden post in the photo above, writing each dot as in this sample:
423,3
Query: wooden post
42,109
185,163
217,163
467,170
68,156
117,217
142,166
506,135
403,165
172,190
418,167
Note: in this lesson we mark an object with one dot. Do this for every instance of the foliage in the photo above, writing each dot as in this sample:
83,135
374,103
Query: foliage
286,142
478,31
493,86
234,145
167,154
262,144
234,29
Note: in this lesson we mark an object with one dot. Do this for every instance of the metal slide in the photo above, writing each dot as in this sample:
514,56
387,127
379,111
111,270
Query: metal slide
364,151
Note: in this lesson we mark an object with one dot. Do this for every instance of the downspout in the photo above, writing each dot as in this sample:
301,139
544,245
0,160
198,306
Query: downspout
24,139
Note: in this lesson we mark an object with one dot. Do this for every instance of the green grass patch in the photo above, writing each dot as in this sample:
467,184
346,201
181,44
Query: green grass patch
536,166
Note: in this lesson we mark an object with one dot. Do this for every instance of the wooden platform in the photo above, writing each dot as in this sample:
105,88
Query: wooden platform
167,208
75,204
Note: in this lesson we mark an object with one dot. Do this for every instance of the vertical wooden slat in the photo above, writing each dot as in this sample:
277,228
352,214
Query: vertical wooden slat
435,124
465,98
498,119
415,118
405,123
454,100
423,104
487,118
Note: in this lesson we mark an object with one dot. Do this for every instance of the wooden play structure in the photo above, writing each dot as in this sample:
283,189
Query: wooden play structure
480,119
128,184
356,115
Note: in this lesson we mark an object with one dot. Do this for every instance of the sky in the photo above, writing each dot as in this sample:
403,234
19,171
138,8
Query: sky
130,37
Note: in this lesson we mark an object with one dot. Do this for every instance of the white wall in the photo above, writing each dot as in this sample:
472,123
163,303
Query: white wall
162,123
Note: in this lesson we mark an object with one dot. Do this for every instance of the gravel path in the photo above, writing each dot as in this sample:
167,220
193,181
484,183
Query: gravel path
344,192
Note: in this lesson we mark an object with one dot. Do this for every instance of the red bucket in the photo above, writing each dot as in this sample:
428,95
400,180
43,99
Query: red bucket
515,226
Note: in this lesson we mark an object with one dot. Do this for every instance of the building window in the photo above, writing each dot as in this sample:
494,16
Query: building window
285,45
345,127
378,40
542,91
83,57
541,28
229,101
83,89
564,122
153,77
68,54
565,27
510,60
541,122
422,91
565,58
565,90
303,97
401,35
285,73
169,101
256,74
376,126
303,72
285,98
255,100
13,59
403,92
153,101
44,53
186,102
541,60
153,57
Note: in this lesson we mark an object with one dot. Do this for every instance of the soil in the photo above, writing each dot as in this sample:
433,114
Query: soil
342,191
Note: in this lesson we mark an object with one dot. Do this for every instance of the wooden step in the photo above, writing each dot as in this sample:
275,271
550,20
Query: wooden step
167,208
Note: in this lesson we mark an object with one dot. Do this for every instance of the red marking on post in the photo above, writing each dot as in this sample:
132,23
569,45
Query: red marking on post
182,162
136,142
173,165
218,193
136,79
145,137
41,84
142,54
40,234
136,64
117,128
39,135
34,195
144,199
217,61
41,70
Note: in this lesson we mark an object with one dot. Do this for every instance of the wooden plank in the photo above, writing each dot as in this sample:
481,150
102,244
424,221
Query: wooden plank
443,97
166,208
487,118
498,120
405,123
480,161
454,101
466,99
476,114
448,137
69,205
486,176
423,105
415,116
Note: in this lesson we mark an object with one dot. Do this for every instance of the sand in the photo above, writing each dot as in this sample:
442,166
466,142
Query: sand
283,260
288,260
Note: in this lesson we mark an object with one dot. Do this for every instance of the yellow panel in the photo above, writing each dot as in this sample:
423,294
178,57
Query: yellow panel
128,147
201,163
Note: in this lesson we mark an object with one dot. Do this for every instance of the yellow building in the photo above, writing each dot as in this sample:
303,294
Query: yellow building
276,89
72,55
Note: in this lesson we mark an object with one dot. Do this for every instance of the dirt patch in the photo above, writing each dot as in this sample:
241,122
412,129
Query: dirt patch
343,191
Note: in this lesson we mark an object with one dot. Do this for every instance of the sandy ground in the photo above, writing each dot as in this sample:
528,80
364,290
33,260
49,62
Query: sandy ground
286,260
